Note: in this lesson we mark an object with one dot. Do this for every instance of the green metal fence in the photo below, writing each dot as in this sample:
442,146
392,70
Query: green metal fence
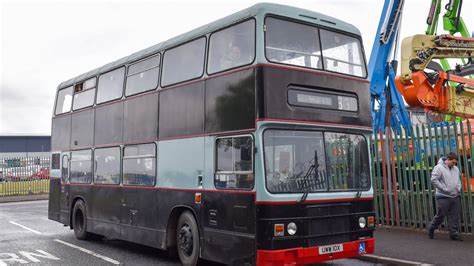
24,176
401,170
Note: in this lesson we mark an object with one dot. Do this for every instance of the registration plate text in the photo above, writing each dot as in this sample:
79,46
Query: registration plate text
331,249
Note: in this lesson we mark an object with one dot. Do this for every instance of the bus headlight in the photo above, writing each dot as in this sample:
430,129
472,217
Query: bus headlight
362,222
291,228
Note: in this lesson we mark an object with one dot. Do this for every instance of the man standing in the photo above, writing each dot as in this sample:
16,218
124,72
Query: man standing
445,178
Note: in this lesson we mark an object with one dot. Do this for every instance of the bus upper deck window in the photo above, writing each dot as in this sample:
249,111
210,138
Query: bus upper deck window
64,101
184,62
110,85
232,47
143,76
84,94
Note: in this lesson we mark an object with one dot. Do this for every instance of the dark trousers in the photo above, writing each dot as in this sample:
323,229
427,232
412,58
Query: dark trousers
450,207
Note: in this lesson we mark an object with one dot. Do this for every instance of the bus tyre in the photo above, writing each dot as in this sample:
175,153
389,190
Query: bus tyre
187,239
79,222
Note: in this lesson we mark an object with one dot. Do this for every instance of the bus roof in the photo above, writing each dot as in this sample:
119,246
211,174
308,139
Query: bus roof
256,10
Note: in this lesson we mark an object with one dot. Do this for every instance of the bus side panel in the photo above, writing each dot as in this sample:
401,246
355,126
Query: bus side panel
276,85
230,102
182,111
61,133
105,210
108,127
229,227
54,193
139,216
140,121
82,129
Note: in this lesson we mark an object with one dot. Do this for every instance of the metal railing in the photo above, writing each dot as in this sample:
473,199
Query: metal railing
401,171
24,176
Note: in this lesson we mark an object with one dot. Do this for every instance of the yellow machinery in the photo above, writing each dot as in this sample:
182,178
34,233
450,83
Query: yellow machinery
423,83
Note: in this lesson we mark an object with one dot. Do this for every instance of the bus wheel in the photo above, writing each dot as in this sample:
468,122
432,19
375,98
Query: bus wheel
79,222
187,239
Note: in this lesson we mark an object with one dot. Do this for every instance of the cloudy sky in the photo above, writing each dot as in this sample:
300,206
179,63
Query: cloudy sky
43,43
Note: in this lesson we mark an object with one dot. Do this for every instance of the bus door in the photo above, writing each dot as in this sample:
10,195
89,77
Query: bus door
105,205
64,193
229,212
139,211
54,187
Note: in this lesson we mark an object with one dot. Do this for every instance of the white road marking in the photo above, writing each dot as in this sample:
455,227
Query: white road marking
381,259
42,254
10,257
89,252
24,227
22,203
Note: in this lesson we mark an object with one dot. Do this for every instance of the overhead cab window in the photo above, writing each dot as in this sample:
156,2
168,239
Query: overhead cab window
81,167
110,85
292,43
232,47
143,76
84,94
342,53
139,165
64,101
184,62
107,165
234,163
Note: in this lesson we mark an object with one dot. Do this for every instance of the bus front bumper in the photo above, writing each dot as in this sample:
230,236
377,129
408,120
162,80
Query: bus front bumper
298,256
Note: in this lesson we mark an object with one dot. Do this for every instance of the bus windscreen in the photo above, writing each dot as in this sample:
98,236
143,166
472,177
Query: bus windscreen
311,161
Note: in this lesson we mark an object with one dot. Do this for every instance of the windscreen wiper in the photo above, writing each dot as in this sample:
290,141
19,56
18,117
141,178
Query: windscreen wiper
313,168
359,189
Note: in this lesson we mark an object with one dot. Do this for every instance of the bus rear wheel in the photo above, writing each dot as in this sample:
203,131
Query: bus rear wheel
187,239
79,221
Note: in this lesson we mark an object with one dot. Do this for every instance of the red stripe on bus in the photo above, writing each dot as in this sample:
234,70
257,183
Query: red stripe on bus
210,134
210,190
312,201
312,123
166,189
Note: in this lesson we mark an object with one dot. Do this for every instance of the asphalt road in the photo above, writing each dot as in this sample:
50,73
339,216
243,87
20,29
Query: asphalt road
28,237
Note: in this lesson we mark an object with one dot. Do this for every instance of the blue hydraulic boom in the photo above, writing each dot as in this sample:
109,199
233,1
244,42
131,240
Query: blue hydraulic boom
382,71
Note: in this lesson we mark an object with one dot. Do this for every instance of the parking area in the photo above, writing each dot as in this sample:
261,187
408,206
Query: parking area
28,237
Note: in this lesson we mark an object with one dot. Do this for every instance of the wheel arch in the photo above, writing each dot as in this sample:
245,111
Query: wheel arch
173,223
76,199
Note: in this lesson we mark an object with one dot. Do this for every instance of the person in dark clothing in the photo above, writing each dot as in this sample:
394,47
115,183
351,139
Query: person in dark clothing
445,178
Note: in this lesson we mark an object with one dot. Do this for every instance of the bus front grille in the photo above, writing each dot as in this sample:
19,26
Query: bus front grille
328,224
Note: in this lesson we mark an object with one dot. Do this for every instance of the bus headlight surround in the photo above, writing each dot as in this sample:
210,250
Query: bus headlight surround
291,228
362,222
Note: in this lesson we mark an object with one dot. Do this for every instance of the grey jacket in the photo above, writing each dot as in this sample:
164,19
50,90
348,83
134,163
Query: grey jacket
445,180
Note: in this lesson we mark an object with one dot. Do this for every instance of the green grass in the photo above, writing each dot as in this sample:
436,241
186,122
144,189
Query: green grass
24,187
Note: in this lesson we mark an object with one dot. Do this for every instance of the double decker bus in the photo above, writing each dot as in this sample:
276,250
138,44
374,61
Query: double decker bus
244,141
